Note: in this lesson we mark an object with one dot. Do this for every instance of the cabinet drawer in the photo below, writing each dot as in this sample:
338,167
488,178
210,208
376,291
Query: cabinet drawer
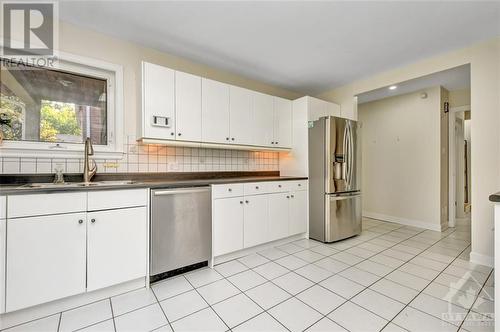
115,199
44,204
227,190
255,188
297,185
3,207
277,186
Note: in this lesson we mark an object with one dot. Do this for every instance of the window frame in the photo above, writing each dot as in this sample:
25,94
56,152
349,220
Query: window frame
71,63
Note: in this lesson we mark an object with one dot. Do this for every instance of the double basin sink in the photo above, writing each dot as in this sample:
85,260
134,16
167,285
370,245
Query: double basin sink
77,184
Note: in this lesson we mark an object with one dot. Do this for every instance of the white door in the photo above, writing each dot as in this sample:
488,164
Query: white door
187,106
256,216
282,122
45,259
116,246
241,115
278,216
214,111
158,90
227,225
263,112
298,212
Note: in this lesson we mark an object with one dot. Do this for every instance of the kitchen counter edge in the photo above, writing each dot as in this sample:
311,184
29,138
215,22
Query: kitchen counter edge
151,184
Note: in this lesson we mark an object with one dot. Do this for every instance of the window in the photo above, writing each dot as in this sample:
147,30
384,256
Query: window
56,109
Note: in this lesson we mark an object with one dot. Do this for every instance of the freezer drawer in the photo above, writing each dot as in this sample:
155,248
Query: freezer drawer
343,216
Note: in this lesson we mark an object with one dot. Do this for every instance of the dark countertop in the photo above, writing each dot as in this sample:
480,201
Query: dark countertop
495,197
10,186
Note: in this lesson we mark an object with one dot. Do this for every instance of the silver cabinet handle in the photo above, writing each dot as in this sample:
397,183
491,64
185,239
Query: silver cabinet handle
92,220
80,221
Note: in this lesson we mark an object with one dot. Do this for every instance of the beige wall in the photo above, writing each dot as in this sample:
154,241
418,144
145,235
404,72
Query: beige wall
73,39
459,97
484,59
400,151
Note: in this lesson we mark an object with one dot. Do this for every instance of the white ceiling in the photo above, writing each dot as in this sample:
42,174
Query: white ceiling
305,46
457,78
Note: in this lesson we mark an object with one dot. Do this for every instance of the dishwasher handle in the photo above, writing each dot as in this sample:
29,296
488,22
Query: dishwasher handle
180,191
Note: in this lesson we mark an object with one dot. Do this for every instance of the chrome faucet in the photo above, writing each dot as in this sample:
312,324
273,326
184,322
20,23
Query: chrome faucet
88,172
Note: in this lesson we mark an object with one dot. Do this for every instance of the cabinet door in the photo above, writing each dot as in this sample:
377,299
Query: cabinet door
282,122
214,111
256,216
227,225
45,259
158,90
187,106
263,112
241,115
298,212
278,216
116,246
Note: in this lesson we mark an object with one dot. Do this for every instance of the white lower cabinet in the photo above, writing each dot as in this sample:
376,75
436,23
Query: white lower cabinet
278,215
256,219
60,254
228,225
298,212
117,246
256,213
45,259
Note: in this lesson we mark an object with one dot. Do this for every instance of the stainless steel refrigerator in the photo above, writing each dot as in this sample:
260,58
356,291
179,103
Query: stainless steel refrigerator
334,179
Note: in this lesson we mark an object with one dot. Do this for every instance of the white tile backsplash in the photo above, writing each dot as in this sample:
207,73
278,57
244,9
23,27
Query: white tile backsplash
153,158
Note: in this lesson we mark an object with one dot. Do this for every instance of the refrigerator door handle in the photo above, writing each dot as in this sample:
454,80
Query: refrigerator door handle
351,155
344,159
348,154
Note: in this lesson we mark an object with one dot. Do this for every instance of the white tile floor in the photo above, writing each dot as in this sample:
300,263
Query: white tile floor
390,278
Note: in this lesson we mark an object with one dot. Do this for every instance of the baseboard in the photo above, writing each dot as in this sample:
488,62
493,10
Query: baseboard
260,247
50,308
481,259
402,221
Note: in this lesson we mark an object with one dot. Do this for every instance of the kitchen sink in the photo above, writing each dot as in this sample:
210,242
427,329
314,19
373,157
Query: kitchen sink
77,184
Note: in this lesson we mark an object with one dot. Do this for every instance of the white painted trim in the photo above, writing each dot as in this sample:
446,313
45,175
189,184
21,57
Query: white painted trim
46,309
402,221
113,73
260,247
481,259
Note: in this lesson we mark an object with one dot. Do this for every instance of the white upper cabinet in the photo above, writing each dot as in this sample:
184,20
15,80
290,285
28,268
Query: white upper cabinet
263,111
241,115
158,84
282,122
318,108
214,111
178,106
187,106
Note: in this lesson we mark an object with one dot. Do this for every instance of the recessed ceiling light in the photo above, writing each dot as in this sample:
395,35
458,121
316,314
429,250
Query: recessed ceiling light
393,87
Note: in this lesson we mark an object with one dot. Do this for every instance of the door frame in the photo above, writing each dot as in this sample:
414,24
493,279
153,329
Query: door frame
452,164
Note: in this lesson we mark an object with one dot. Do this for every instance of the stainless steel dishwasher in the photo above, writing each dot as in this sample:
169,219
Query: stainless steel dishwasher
181,230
